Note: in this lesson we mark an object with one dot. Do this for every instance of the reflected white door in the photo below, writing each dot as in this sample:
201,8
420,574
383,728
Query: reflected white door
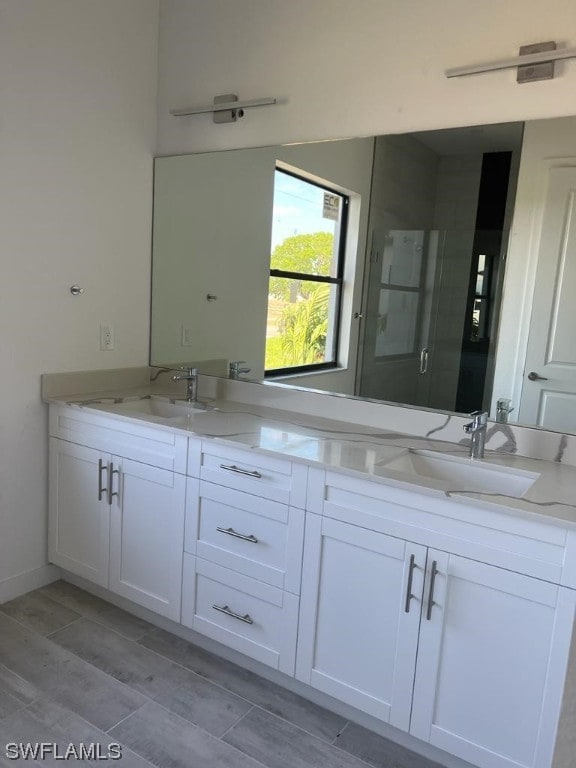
549,388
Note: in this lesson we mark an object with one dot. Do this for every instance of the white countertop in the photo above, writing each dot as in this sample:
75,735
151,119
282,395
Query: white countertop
353,449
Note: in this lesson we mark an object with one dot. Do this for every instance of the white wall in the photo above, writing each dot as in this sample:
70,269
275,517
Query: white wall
352,69
77,135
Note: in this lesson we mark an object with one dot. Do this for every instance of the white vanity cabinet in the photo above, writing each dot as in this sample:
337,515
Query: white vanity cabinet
243,551
448,620
79,519
464,654
359,617
492,656
146,531
114,520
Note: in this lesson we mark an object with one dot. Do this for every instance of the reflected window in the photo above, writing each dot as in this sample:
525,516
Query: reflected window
306,271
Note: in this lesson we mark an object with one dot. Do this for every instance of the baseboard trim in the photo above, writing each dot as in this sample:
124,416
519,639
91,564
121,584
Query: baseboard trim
14,586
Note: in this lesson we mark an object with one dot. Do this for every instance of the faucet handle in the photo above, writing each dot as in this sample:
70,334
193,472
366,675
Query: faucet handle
480,421
234,369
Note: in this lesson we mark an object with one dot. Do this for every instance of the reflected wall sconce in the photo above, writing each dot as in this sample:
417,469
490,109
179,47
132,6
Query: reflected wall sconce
226,108
534,62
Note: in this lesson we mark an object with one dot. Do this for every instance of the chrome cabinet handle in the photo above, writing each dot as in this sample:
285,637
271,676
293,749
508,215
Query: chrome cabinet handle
101,489
247,619
240,471
431,602
112,493
533,376
409,594
423,361
232,532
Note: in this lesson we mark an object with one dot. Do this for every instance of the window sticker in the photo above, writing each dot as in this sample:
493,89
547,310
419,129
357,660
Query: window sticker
331,207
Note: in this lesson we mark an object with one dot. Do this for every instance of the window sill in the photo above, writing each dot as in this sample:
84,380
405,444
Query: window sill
285,377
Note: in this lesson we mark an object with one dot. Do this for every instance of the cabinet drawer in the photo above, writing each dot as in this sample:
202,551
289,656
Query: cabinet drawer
140,442
249,534
242,613
248,471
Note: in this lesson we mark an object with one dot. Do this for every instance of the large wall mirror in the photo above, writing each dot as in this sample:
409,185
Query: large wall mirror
434,269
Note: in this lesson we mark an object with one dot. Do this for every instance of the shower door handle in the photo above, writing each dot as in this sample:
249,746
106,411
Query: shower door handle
424,361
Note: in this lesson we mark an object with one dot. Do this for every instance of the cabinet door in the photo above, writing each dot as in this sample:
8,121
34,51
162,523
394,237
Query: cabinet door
79,521
491,663
358,630
147,536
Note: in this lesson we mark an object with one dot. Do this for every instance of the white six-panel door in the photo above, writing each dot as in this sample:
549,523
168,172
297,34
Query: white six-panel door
491,663
358,633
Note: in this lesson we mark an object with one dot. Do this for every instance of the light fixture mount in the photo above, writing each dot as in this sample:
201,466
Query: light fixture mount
534,62
226,108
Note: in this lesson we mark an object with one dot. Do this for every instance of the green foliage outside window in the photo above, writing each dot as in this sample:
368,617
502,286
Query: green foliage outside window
304,327
310,254
303,322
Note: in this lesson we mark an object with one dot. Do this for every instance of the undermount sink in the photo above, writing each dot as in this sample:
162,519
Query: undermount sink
152,406
460,474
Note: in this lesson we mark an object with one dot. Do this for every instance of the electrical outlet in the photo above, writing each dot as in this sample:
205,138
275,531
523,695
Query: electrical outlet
106,336
188,336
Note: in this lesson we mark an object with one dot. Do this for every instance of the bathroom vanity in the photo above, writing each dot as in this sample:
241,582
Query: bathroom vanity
391,573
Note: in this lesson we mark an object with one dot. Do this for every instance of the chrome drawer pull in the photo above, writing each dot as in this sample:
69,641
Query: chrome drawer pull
101,489
240,471
232,532
247,619
409,594
111,492
431,602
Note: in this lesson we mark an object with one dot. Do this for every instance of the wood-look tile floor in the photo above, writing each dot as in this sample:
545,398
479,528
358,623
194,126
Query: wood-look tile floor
75,669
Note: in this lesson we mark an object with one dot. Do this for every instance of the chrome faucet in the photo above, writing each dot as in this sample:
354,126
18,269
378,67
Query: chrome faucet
191,379
234,369
477,431
503,410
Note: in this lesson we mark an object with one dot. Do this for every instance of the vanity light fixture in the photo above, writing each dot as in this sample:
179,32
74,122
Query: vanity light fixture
534,62
226,108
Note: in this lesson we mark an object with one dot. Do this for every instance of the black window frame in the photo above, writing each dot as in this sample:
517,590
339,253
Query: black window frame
338,281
